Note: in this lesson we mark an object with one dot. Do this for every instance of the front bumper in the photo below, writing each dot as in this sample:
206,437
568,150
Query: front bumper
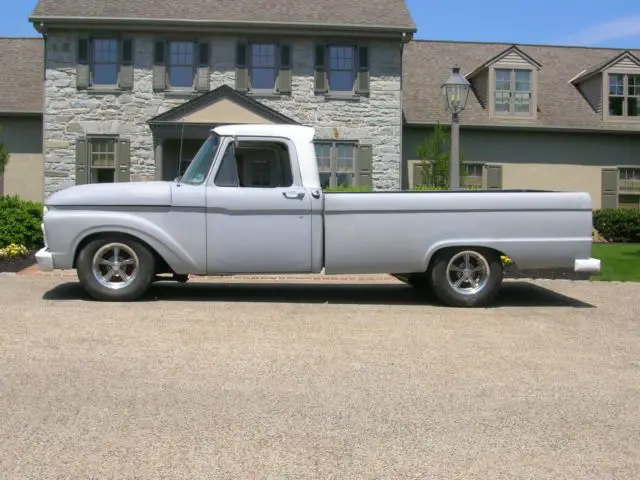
45,260
587,265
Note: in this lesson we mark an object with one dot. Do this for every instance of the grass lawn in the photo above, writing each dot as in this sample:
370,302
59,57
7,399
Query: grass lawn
620,261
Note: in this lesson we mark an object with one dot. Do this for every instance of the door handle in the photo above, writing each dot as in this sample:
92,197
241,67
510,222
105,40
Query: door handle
293,195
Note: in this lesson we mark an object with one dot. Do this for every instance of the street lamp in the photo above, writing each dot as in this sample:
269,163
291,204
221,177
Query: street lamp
456,92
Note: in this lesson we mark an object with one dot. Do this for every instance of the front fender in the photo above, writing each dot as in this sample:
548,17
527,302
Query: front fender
66,229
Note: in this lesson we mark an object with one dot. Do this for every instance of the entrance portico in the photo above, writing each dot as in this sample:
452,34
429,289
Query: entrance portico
178,133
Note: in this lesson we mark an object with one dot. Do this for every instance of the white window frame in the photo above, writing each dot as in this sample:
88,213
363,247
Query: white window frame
333,169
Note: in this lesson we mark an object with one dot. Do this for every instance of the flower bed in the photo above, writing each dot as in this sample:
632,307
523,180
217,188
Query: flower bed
15,258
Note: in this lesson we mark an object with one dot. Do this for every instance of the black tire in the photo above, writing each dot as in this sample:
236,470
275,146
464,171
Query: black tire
448,295
138,286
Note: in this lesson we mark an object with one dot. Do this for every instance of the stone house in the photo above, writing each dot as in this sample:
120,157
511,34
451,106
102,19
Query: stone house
131,89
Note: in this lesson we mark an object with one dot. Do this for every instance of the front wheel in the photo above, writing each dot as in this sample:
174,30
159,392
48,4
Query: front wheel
115,268
466,277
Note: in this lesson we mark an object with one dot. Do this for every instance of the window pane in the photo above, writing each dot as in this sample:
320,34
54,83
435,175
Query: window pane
522,102
263,78
616,84
341,58
181,53
325,179
345,157
102,175
344,179
102,153
523,81
634,85
105,74
341,81
503,79
263,66
632,107
502,102
615,106
105,58
181,76
323,155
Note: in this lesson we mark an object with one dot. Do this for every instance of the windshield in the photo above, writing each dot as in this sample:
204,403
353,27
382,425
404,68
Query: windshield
201,163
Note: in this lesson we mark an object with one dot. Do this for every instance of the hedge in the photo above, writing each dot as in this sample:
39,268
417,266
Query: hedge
618,224
20,222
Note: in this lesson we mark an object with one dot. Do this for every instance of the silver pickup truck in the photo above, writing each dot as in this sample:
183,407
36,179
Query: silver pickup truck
251,202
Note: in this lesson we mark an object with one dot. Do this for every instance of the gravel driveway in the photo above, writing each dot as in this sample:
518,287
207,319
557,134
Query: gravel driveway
324,381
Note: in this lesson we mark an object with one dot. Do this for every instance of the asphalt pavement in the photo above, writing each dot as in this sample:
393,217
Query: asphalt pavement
295,381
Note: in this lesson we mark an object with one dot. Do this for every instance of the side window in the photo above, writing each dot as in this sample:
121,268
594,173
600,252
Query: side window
256,164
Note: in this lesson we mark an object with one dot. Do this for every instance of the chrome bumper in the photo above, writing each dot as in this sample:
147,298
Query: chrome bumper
44,259
587,265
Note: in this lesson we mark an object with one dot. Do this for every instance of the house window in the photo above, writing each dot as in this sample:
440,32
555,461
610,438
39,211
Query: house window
105,61
181,64
341,68
102,160
263,64
629,179
336,163
624,95
513,92
472,175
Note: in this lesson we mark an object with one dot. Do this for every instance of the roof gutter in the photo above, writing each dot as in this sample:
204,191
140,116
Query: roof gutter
40,22
537,128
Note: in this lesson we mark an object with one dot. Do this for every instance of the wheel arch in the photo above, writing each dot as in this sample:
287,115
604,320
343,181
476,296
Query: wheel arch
441,248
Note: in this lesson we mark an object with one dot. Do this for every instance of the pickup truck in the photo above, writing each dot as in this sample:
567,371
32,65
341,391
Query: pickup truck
251,202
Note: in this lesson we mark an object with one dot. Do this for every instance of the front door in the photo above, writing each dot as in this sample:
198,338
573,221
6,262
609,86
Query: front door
258,213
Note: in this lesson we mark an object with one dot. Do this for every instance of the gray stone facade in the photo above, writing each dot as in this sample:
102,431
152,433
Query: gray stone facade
375,119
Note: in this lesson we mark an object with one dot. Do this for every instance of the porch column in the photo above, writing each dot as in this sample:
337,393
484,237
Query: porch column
159,143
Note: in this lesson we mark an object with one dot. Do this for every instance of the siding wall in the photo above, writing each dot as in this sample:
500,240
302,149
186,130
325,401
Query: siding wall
481,87
627,64
22,138
592,91
513,59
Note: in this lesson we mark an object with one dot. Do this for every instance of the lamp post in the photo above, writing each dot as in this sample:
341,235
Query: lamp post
456,92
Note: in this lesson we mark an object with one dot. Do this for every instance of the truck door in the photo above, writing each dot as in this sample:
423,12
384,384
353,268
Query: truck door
258,214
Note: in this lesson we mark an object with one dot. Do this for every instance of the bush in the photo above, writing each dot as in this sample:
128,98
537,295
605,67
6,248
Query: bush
13,251
429,188
20,222
343,188
618,224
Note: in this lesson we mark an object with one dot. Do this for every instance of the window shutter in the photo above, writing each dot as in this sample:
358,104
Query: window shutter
321,80
494,177
283,84
363,76
82,64
125,76
364,166
609,187
123,162
159,68
203,70
82,161
242,72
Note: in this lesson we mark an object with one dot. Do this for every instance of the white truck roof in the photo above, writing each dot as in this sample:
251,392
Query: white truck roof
297,133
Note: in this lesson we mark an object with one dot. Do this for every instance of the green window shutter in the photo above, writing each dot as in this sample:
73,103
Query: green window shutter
364,166
82,161
242,71
123,161
125,76
283,84
494,177
159,66
321,80
363,76
609,188
203,71
83,76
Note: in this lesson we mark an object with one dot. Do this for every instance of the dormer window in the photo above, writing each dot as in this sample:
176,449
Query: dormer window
513,92
624,95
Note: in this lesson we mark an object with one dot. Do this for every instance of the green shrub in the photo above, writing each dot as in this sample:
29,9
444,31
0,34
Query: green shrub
429,188
618,224
20,222
344,188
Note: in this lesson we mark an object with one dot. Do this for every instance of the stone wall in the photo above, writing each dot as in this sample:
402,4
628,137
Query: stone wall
376,120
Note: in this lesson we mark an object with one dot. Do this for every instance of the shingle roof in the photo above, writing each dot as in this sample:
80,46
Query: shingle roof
21,75
390,13
426,64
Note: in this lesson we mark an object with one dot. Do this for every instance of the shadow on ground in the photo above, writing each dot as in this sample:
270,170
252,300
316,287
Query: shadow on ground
513,294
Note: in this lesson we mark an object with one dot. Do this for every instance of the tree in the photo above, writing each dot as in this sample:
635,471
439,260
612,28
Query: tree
434,153
4,157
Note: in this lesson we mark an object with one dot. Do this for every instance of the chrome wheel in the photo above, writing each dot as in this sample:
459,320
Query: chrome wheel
468,272
115,266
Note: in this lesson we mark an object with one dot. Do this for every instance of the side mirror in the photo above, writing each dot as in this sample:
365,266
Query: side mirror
178,178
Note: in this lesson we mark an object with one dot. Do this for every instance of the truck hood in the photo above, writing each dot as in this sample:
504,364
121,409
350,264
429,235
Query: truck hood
114,194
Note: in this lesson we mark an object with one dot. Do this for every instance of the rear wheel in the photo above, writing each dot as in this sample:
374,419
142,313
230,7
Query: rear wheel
466,277
116,268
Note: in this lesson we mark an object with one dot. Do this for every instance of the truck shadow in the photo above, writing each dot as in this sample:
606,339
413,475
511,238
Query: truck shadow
513,294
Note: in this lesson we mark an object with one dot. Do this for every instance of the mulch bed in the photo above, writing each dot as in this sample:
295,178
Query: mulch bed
14,265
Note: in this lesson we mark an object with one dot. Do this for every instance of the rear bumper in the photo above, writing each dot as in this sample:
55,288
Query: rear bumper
587,265
44,259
